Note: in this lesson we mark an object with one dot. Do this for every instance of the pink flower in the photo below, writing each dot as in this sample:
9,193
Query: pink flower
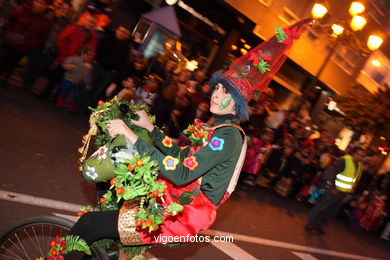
190,163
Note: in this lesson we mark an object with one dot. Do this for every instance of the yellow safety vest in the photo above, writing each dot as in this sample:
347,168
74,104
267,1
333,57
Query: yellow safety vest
347,179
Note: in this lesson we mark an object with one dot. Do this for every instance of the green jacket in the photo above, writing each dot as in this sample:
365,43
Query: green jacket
215,161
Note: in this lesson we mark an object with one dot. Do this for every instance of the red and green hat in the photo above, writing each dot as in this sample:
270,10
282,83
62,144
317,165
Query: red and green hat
250,74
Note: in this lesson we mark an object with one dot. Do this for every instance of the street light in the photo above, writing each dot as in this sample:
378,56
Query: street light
374,42
319,10
357,23
356,8
344,34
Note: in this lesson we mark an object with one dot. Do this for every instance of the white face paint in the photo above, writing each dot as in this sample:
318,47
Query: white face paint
221,102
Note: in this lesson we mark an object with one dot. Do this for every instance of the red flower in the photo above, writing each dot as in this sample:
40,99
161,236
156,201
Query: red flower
100,103
139,163
148,222
167,142
129,167
292,34
113,181
53,243
194,150
266,57
255,55
210,133
197,121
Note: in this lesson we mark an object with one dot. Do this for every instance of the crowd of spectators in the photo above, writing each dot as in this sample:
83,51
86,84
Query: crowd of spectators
87,63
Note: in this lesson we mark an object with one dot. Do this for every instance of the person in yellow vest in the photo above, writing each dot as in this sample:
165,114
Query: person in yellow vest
338,181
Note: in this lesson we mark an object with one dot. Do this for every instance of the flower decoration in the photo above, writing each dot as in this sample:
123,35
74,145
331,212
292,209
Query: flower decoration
170,163
197,121
91,172
193,150
209,134
293,34
102,152
263,66
190,163
199,133
255,56
64,245
167,142
216,144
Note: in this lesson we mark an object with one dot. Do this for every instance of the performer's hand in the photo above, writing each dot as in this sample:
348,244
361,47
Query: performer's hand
143,121
116,127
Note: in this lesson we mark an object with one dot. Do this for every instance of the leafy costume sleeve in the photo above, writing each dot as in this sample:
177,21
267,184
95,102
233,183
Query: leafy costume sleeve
219,157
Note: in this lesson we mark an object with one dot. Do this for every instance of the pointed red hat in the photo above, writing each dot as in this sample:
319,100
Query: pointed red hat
252,72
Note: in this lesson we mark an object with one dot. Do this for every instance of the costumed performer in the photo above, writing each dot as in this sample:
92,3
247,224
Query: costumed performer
212,168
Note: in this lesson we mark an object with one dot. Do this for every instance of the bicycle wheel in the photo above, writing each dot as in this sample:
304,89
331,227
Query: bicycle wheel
31,237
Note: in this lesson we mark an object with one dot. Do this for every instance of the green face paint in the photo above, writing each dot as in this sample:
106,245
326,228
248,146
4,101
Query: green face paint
225,102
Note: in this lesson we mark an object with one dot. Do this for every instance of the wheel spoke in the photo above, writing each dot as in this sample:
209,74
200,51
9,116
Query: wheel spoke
16,235
11,257
15,245
7,250
32,237
36,239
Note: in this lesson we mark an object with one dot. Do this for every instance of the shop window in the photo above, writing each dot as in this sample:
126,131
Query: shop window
257,31
312,35
288,16
378,77
301,9
344,58
377,10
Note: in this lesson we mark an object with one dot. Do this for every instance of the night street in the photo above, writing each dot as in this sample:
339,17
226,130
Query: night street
39,160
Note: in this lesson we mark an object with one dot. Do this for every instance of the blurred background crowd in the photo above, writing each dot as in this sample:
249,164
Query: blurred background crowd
73,60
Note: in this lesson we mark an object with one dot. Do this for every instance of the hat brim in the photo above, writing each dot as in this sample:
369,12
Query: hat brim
241,107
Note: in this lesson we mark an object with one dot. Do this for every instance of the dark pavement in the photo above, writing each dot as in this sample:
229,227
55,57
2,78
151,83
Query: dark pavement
38,157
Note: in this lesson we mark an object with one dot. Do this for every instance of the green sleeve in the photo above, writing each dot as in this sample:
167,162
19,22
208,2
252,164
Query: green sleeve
220,147
158,138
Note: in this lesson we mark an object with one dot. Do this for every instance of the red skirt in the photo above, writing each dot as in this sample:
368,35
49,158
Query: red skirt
198,215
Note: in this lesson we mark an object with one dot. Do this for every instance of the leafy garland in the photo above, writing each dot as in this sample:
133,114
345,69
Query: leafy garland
66,244
118,109
198,133
136,179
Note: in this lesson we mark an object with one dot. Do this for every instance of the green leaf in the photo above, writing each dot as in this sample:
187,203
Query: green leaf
263,66
103,243
280,34
187,196
133,250
75,243
175,207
